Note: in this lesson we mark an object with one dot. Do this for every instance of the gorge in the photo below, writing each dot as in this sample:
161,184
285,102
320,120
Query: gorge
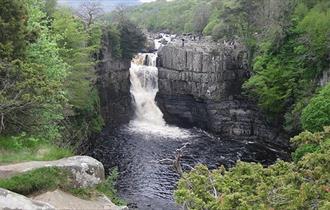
217,126
168,104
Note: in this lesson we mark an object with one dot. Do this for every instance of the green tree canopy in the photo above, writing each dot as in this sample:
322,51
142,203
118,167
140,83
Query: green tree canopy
13,31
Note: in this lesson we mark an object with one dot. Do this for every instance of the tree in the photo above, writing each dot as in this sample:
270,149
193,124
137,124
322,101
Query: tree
201,17
13,28
32,92
132,39
89,11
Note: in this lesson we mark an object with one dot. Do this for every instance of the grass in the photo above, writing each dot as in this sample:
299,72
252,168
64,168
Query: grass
24,148
38,180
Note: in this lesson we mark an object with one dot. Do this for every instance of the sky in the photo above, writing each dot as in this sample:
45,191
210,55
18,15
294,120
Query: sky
108,5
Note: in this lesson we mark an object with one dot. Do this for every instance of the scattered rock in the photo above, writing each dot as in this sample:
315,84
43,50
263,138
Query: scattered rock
10,200
86,171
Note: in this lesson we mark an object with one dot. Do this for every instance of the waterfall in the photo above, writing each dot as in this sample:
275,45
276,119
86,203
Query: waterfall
144,87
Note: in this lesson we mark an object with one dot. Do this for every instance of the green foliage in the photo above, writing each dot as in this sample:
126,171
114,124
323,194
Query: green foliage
300,185
50,89
175,16
302,150
13,30
108,187
45,53
314,41
316,114
132,39
26,89
285,74
28,148
201,17
50,7
78,46
37,180
114,41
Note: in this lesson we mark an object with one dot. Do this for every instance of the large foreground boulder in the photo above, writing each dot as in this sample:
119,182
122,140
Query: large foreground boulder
86,171
10,200
62,200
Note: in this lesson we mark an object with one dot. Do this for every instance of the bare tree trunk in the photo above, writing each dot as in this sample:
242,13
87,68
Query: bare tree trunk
2,124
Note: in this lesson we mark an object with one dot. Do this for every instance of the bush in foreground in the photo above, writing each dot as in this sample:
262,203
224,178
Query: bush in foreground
304,184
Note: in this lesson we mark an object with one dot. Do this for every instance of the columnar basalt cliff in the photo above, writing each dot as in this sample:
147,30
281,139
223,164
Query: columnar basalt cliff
202,87
113,84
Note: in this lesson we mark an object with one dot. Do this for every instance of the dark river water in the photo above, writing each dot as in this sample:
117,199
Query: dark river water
143,156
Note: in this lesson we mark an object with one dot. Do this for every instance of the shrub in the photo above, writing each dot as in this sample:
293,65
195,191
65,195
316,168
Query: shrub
317,113
300,185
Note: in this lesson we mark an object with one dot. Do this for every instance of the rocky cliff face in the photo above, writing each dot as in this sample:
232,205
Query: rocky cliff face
113,84
202,88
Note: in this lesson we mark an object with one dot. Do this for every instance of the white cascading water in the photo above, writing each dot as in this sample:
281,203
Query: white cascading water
144,87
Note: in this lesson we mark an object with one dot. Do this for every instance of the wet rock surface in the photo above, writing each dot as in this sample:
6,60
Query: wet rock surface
200,85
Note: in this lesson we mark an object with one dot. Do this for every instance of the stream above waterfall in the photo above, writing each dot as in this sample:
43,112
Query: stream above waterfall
144,150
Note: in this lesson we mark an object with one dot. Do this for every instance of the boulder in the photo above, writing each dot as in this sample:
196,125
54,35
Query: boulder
10,200
86,171
63,200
